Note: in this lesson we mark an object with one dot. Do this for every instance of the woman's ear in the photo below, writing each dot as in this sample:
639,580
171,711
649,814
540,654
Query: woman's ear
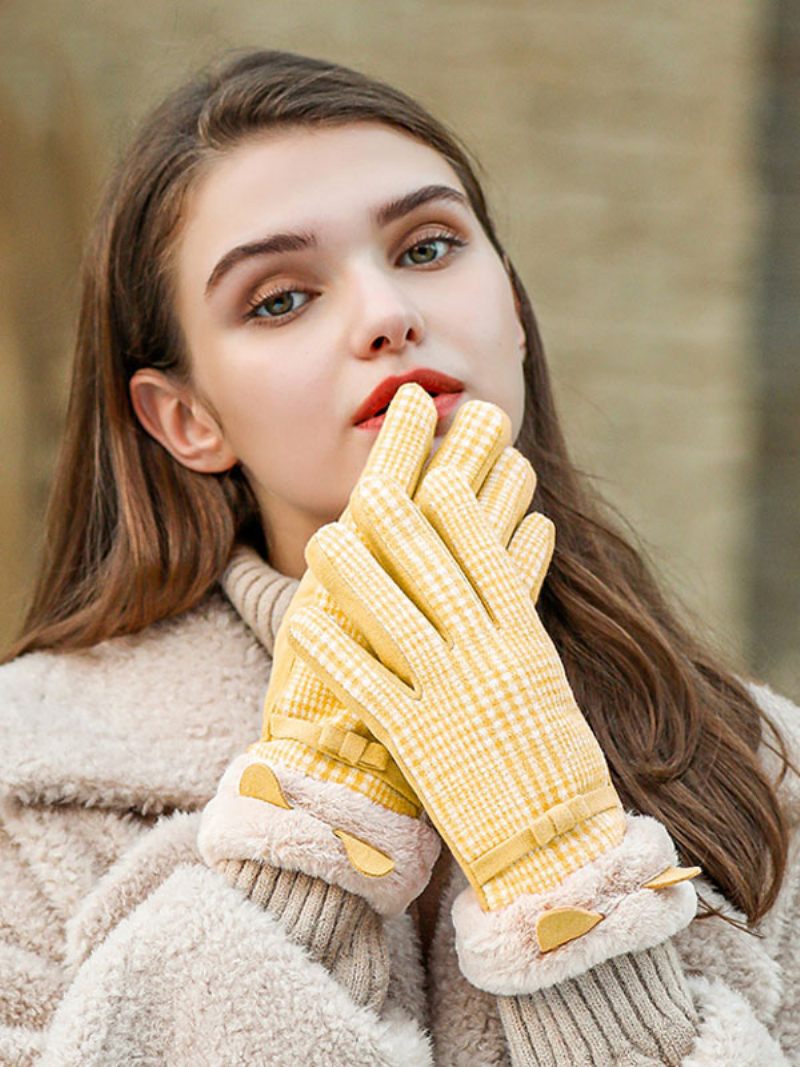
172,415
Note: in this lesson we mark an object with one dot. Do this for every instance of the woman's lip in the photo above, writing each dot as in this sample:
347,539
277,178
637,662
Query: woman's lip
444,404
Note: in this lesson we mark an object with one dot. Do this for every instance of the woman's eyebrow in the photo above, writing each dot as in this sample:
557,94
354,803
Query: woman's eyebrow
296,242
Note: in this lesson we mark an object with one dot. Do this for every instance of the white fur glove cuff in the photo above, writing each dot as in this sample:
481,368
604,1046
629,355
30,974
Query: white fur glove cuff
629,899
301,835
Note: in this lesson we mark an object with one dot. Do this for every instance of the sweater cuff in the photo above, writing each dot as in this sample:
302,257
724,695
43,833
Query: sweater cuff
338,929
634,1010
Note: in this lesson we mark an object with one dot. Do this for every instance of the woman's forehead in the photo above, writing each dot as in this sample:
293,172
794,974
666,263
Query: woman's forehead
319,167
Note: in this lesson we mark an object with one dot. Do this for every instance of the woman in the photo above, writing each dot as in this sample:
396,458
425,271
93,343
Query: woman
283,244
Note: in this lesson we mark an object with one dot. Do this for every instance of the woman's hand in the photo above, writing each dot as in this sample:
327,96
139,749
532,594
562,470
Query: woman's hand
306,727
463,685
319,792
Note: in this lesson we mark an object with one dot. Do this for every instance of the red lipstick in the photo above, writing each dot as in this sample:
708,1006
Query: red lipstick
446,392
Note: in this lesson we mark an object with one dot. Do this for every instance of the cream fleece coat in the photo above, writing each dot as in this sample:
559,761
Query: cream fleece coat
120,946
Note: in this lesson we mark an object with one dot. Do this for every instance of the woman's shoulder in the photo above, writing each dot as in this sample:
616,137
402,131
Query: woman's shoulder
170,643
147,720
784,714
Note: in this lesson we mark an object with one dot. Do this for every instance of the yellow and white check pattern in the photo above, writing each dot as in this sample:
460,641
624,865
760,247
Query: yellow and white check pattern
461,682
305,726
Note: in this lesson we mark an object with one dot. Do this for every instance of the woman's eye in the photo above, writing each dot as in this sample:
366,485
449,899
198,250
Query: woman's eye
432,249
278,305
281,305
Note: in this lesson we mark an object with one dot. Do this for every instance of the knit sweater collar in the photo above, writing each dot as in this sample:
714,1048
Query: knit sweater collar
149,721
259,593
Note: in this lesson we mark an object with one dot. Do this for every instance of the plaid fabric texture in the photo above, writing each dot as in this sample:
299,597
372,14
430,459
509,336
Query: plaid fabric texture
305,725
457,677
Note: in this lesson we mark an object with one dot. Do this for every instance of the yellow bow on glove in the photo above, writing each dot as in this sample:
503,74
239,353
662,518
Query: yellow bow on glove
461,683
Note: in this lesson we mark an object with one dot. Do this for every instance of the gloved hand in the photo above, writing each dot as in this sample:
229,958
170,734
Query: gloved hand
316,757
464,687
305,725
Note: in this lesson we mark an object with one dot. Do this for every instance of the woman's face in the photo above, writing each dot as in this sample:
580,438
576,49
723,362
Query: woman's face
287,344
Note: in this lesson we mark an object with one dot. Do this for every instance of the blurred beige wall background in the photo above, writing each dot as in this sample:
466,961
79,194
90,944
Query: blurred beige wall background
640,160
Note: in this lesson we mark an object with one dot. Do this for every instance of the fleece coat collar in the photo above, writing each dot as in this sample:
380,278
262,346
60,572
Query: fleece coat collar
147,722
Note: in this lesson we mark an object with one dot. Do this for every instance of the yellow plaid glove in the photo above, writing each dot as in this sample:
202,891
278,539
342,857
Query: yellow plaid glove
305,725
465,688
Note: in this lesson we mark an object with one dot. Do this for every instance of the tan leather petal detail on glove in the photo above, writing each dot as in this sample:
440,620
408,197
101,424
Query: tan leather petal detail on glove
365,858
260,782
671,876
559,925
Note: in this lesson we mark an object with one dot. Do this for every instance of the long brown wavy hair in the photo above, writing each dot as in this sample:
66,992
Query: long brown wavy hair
132,536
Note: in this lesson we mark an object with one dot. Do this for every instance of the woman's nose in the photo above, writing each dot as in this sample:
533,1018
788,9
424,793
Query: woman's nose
385,318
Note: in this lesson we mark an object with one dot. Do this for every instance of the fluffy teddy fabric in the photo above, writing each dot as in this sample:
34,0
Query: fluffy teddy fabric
118,945
198,974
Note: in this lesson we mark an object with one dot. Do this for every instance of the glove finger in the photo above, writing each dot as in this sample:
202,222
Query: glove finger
457,517
405,438
357,679
392,625
479,433
531,549
506,493
409,550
